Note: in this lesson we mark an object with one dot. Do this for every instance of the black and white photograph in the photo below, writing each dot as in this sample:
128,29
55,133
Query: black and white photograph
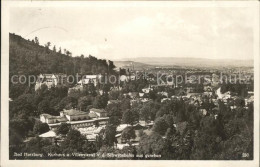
146,81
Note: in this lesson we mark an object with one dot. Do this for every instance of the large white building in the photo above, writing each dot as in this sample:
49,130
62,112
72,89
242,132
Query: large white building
50,80
86,79
76,118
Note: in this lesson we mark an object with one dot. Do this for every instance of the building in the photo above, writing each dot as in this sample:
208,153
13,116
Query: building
89,123
113,101
91,132
208,89
147,90
50,119
76,88
86,79
65,116
49,134
163,94
165,99
132,95
76,118
203,111
124,78
74,115
98,112
50,80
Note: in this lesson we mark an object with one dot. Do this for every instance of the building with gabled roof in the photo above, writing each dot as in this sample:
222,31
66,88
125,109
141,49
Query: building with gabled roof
49,119
98,112
86,79
50,80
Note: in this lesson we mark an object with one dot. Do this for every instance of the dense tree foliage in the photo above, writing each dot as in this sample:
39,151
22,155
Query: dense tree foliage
63,129
128,133
40,127
175,128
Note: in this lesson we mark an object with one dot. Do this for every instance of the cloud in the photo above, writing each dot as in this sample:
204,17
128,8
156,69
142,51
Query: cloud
221,32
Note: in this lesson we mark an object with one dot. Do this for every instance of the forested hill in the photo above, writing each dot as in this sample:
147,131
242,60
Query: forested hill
30,58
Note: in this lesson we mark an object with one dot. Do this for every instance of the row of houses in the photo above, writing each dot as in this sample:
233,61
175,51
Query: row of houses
54,80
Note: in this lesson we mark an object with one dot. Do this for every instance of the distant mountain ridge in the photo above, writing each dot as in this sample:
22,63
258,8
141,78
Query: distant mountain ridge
193,62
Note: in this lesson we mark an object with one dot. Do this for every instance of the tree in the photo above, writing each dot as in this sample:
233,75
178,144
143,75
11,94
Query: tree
135,113
40,127
128,133
76,94
63,129
73,142
161,112
90,88
169,120
89,148
18,130
181,116
204,146
113,95
54,48
145,113
51,149
128,117
59,50
100,101
152,95
153,144
84,102
169,133
240,102
47,45
114,120
113,109
36,39
110,133
44,107
35,145
23,105
68,53
160,126
67,103
111,66
125,104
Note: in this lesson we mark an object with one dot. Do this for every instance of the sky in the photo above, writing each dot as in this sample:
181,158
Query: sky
128,32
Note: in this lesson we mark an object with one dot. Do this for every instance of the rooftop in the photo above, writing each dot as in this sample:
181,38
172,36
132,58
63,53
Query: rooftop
74,112
48,134
59,118
46,115
93,115
90,76
97,110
